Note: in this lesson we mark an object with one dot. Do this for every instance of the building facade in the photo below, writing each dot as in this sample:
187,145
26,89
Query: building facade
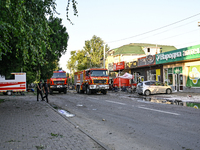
181,68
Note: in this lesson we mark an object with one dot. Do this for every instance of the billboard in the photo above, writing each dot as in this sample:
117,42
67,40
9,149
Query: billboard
119,66
187,53
146,61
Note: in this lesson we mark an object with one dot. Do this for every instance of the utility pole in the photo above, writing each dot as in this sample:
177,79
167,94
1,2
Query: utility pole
104,51
198,24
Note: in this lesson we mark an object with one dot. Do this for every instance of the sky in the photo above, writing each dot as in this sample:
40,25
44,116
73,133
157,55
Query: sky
117,23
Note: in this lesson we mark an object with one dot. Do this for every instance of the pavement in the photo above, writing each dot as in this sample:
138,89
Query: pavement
26,124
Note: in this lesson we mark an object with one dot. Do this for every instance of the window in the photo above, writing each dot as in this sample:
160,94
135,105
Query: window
170,79
168,76
147,83
151,75
159,84
99,73
59,75
148,50
10,77
87,73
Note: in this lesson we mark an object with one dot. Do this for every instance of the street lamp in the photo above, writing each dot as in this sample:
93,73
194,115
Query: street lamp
104,56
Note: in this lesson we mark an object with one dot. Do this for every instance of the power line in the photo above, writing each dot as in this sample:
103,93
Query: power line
166,30
178,35
154,29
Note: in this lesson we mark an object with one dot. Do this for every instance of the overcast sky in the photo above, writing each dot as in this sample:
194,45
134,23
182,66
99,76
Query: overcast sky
117,23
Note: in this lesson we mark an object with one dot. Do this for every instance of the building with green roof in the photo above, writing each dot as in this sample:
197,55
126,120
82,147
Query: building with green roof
132,51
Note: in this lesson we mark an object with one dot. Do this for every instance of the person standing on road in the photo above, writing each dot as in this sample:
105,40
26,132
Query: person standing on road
46,90
39,90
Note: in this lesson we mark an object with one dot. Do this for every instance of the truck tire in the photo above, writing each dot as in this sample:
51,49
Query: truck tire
65,91
82,91
88,91
78,89
51,91
104,92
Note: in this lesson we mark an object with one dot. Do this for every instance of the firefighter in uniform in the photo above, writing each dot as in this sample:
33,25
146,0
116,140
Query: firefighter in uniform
46,90
39,90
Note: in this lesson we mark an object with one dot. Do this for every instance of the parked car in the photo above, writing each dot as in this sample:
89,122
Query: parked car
152,87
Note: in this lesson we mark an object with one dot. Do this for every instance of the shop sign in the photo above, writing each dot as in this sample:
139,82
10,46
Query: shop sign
130,65
118,66
193,77
178,70
178,55
146,61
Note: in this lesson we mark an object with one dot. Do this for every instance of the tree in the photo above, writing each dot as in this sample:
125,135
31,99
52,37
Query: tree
94,49
24,33
78,61
90,56
58,43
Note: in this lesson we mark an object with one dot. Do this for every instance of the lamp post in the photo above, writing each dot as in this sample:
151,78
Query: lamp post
104,56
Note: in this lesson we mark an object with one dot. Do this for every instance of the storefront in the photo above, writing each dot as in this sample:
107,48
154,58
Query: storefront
147,69
181,68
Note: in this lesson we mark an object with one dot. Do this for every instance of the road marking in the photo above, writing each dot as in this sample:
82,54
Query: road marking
94,98
159,111
115,102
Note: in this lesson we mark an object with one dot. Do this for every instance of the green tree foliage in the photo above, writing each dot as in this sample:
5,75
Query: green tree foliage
58,43
25,34
90,56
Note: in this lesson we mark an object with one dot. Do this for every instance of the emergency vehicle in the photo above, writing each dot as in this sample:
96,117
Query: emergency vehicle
16,82
58,82
92,81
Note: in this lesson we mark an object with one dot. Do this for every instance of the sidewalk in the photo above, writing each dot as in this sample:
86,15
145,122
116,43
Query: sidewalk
26,124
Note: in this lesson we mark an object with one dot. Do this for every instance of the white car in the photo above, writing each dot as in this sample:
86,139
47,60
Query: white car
152,87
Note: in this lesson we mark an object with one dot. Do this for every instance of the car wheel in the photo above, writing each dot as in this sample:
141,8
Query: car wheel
168,91
147,92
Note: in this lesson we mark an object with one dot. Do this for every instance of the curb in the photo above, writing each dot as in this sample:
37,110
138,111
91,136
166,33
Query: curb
77,127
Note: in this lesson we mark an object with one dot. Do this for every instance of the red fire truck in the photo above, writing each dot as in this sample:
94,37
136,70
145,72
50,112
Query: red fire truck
92,81
58,82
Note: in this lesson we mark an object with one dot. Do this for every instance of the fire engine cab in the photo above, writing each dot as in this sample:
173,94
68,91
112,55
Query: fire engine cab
92,81
58,82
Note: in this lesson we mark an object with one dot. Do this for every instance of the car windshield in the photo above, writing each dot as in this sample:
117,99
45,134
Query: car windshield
59,75
97,73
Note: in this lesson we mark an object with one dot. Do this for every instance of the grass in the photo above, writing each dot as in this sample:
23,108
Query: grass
41,147
56,135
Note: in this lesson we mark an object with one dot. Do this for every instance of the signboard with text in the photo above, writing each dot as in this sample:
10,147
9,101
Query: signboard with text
130,65
187,53
118,66
146,61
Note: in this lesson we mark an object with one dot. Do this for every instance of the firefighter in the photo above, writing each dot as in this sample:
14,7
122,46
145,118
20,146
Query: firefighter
39,90
45,90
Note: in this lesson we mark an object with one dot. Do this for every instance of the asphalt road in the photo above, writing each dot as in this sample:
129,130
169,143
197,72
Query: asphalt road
124,123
